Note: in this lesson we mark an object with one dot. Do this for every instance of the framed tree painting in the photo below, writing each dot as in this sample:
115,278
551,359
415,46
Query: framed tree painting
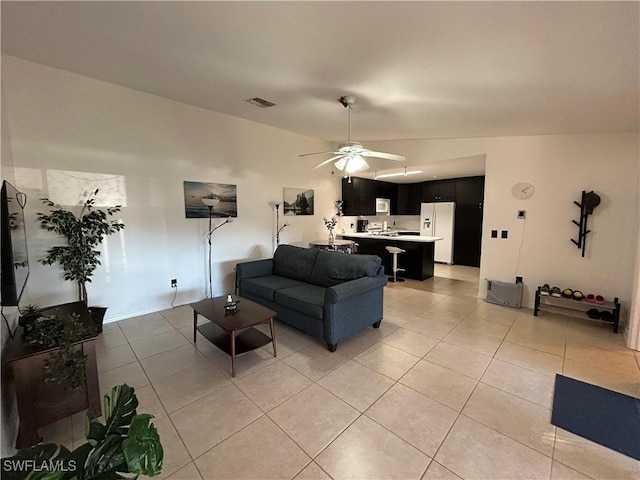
199,196
297,201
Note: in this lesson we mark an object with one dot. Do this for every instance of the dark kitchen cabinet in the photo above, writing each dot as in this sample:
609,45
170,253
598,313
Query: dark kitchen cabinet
470,190
409,198
467,231
417,259
467,235
360,195
468,193
368,195
350,197
439,191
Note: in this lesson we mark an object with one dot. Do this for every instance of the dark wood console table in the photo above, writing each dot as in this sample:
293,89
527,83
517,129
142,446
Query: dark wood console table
41,403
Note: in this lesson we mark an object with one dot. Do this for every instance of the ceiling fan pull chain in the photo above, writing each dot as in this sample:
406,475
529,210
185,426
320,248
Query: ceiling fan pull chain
349,108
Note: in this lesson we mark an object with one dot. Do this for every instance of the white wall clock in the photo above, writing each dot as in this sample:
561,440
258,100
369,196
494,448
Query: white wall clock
523,190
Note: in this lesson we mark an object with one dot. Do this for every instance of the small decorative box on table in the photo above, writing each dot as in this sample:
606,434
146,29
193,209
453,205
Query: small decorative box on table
577,308
231,323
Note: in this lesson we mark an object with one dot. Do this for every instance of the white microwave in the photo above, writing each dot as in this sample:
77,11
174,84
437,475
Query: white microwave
383,206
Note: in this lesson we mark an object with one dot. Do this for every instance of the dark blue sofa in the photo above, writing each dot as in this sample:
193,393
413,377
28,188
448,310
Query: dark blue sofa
329,295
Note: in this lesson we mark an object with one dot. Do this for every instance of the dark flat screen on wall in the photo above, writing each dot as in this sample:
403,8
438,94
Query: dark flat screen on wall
15,259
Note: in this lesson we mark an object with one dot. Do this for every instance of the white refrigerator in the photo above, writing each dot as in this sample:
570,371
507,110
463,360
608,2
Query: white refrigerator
436,220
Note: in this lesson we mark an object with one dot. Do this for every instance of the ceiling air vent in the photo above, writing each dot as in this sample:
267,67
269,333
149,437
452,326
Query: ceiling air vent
260,102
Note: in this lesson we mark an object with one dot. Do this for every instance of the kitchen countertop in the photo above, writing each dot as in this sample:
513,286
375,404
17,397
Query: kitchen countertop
392,235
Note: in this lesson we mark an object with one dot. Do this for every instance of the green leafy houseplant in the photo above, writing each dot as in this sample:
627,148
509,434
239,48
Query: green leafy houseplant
66,365
79,258
126,443
28,314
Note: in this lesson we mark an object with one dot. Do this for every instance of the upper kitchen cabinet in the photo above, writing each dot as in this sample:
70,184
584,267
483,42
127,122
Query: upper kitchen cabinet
360,195
439,191
351,196
470,190
409,199
368,194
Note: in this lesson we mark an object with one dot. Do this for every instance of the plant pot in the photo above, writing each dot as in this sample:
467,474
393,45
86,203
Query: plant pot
97,316
26,321
40,403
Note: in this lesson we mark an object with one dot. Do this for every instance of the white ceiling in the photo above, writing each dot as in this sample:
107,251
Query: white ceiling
418,69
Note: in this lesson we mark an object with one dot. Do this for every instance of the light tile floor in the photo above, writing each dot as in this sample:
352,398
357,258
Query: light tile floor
449,387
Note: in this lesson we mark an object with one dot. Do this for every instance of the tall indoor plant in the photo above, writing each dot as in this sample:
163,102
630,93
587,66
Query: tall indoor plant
79,257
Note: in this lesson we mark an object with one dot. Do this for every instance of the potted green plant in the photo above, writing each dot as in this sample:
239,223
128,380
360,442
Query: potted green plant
54,367
65,365
84,233
28,315
126,443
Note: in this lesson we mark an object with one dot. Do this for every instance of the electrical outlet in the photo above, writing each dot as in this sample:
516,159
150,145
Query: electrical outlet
505,234
522,214
174,283
494,233
518,279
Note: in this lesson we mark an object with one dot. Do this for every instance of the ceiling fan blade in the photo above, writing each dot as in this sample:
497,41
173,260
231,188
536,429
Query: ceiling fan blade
388,156
317,153
322,164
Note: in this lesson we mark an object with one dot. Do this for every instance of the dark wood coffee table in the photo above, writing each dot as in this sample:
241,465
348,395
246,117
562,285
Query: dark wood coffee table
233,333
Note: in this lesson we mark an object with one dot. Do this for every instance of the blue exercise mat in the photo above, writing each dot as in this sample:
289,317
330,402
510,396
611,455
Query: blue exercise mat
603,416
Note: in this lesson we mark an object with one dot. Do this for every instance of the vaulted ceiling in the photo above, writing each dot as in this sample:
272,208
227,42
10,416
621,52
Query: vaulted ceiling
418,69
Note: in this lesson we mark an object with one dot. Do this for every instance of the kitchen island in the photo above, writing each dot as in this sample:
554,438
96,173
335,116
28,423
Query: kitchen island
418,257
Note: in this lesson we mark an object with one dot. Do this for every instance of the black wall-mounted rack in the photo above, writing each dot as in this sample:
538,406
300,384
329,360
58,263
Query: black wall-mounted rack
588,202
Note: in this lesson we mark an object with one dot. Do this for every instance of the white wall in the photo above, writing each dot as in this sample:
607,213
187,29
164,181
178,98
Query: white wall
560,167
68,133
64,134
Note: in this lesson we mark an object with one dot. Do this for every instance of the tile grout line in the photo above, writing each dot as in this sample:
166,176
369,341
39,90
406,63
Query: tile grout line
398,381
487,426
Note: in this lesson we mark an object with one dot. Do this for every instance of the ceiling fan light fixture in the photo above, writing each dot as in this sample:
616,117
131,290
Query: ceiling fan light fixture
351,164
340,164
355,163
348,158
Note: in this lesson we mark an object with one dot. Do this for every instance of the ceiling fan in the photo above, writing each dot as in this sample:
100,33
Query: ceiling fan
349,156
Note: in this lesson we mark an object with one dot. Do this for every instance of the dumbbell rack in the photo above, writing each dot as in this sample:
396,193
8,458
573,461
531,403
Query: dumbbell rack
569,306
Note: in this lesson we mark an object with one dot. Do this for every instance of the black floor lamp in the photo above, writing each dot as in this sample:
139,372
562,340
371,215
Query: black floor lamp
210,203
278,227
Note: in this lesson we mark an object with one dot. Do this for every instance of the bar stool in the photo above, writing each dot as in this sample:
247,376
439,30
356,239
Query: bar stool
395,251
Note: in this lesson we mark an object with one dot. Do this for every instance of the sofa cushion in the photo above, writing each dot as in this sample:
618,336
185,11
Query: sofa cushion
294,262
333,268
265,287
306,299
